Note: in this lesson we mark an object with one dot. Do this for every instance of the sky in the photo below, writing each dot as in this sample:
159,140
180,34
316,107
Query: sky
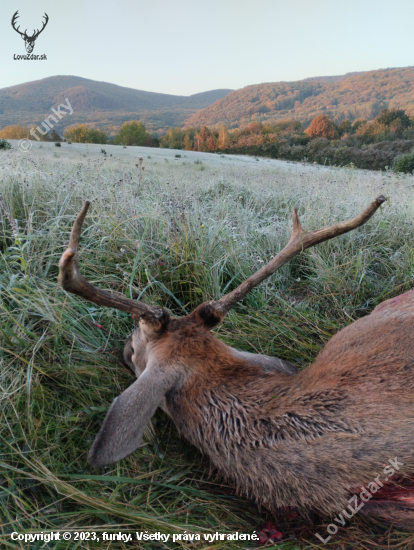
185,47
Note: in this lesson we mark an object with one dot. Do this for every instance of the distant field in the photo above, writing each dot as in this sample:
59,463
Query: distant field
183,231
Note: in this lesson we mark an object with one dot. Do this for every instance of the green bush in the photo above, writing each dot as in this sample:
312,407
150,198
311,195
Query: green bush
4,144
132,133
58,144
404,163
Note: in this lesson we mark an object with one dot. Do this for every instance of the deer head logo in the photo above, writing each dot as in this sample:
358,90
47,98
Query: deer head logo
29,41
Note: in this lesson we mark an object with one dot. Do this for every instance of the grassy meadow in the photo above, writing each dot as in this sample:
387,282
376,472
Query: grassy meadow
186,229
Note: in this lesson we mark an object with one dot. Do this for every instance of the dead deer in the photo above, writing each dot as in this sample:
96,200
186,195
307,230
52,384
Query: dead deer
308,440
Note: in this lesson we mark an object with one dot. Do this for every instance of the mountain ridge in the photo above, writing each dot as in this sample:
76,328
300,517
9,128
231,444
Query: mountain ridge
102,103
107,106
352,96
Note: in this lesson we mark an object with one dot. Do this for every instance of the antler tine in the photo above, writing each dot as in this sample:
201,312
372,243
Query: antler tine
299,241
72,281
36,34
14,19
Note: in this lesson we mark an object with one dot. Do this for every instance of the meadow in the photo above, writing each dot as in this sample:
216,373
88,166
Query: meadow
186,228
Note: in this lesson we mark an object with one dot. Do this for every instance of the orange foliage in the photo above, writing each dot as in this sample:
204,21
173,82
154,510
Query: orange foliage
321,127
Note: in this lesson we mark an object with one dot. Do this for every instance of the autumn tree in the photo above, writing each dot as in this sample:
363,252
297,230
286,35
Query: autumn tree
82,134
189,141
223,137
173,139
77,134
132,133
321,127
15,132
212,144
253,128
357,124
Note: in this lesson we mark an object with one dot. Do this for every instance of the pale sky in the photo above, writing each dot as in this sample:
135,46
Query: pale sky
188,46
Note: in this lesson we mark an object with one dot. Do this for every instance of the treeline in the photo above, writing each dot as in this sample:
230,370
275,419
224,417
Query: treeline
131,133
373,145
23,132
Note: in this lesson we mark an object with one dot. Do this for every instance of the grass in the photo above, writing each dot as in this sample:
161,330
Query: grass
175,237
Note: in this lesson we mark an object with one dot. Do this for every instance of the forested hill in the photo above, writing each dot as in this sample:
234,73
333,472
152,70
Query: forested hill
353,96
105,105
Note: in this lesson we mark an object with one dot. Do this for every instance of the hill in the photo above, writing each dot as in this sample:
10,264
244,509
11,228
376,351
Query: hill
104,104
352,96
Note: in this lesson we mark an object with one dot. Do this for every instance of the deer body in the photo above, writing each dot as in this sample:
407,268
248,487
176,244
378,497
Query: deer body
301,440
308,439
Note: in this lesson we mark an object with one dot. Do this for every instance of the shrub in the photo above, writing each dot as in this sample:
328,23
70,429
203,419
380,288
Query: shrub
404,163
4,144
58,144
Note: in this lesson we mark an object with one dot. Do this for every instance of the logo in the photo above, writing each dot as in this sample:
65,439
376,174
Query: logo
29,41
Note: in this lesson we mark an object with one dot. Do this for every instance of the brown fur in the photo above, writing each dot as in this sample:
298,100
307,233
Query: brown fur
306,440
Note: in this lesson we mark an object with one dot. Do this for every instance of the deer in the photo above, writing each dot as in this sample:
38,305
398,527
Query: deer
306,440
29,41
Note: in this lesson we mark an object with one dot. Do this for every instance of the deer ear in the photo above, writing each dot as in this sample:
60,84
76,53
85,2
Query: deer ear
122,430
151,329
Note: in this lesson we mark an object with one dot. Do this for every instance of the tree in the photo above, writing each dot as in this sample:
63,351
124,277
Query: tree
212,145
188,141
173,139
396,117
357,124
15,132
132,133
321,127
77,134
54,136
97,136
223,139
344,127
253,128
82,134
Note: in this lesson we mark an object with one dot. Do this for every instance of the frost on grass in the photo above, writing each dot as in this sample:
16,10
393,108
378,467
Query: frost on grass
172,235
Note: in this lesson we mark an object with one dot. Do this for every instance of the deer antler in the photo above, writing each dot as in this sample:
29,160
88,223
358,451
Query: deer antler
298,242
35,35
13,22
71,280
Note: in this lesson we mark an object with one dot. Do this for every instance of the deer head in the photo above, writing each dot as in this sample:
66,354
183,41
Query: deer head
29,41
167,353
308,440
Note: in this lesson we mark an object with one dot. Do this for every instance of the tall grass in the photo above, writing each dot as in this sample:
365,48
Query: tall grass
176,238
